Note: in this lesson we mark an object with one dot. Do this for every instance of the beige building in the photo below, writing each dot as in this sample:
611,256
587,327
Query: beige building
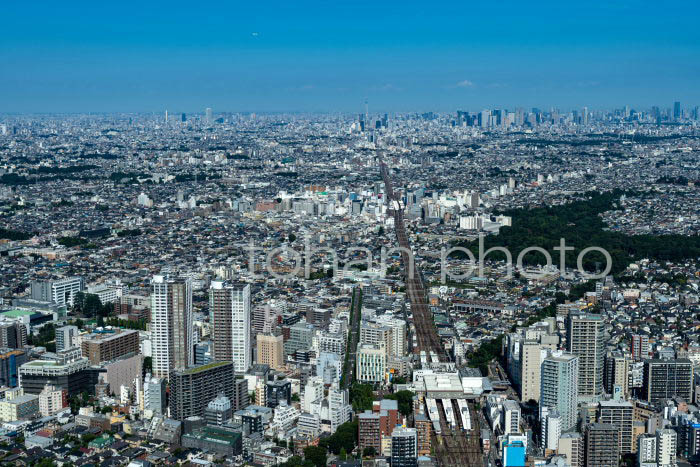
271,350
18,406
52,400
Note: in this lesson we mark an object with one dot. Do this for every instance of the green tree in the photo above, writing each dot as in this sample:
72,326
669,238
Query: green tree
369,452
317,455
361,396
345,437
404,400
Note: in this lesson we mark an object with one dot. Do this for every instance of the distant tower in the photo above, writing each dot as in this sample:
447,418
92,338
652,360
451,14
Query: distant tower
166,116
208,115
366,112
184,117
676,110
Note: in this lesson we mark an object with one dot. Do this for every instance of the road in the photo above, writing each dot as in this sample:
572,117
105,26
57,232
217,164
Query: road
353,338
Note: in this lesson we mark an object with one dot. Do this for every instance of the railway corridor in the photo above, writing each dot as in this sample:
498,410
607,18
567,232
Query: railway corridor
455,442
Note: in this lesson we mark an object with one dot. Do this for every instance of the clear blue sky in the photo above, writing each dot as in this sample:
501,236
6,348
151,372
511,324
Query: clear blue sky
77,56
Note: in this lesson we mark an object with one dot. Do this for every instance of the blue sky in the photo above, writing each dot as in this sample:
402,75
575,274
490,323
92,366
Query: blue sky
329,56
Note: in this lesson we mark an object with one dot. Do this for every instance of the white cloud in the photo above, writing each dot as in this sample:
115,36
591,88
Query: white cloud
465,84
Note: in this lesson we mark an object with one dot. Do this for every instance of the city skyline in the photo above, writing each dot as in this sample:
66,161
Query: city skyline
325,58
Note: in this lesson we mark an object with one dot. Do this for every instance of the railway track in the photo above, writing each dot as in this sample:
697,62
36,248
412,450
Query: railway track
454,446
426,333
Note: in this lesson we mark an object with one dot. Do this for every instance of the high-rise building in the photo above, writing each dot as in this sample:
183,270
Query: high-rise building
666,379
208,115
154,394
229,308
602,445
171,325
65,370
550,430
13,335
677,114
270,350
511,416
666,442
616,376
646,450
10,361
52,400
66,337
241,396
404,447
585,340
371,363
559,386
192,389
640,347
620,415
103,347
571,445
423,429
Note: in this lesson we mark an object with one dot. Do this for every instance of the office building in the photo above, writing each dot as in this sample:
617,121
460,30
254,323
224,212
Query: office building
371,364
65,370
404,447
677,114
513,450
13,335
66,337
203,353
559,386
620,415
218,411
59,291
226,442
602,445
105,346
192,389
229,308
270,350
301,337
154,394
277,392
171,325
10,361
585,340
19,406
666,379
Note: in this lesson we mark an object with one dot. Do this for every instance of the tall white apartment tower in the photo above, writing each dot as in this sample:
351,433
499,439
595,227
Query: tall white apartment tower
559,384
172,331
229,307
